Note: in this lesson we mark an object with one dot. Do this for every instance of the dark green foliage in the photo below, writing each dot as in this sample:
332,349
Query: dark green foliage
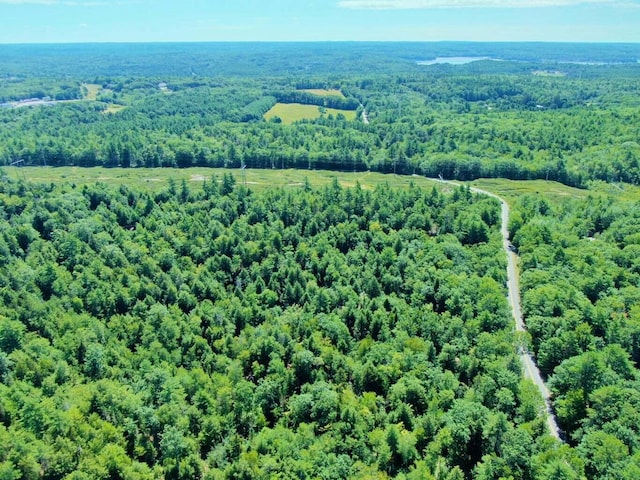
256,109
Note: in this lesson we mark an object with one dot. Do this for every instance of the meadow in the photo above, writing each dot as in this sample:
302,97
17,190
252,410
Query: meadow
155,179
294,112
511,190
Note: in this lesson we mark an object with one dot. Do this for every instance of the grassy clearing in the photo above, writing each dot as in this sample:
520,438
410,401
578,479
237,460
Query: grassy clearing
293,112
621,191
154,179
112,108
549,73
512,189
324,92
92,90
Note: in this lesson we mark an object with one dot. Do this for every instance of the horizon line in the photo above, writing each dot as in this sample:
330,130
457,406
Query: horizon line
164,42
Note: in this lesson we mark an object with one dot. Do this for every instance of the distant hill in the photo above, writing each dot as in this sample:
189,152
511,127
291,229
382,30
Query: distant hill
291,58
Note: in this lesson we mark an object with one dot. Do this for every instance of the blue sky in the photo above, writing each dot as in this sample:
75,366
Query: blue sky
28,21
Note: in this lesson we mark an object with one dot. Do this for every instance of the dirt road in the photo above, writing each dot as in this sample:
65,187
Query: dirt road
531,370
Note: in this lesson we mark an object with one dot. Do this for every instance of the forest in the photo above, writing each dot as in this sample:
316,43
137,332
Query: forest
580,298
214,332
208,328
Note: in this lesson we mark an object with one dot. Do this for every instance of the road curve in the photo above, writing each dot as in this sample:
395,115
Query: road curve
531,370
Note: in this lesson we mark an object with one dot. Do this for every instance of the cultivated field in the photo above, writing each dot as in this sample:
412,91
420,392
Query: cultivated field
293,112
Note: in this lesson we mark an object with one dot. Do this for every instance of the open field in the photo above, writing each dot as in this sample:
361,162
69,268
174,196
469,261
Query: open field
157,178
324,92
92,90
293,112
261,179
621,191
511,189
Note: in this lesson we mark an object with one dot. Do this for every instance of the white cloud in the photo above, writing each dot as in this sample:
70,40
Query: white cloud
426,4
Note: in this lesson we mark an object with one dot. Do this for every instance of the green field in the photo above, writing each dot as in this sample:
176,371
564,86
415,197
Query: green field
113,108
512,189
293,112
155,179
322,92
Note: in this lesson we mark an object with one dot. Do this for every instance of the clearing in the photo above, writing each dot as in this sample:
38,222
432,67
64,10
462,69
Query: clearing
549,73
322,92
113,108
262,179
512,189
92,90
155,179
293,112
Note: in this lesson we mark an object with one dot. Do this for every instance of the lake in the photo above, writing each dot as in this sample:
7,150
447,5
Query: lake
452,60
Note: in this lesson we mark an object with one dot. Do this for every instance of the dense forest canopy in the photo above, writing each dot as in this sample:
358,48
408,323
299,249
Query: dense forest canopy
218,332
581,294
211,330
336,333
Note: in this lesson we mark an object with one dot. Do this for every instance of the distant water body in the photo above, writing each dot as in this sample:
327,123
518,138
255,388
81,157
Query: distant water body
453,60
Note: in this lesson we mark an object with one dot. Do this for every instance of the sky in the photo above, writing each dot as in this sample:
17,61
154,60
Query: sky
63,21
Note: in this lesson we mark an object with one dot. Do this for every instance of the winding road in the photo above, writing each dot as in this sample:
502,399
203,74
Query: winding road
365,115
531,370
